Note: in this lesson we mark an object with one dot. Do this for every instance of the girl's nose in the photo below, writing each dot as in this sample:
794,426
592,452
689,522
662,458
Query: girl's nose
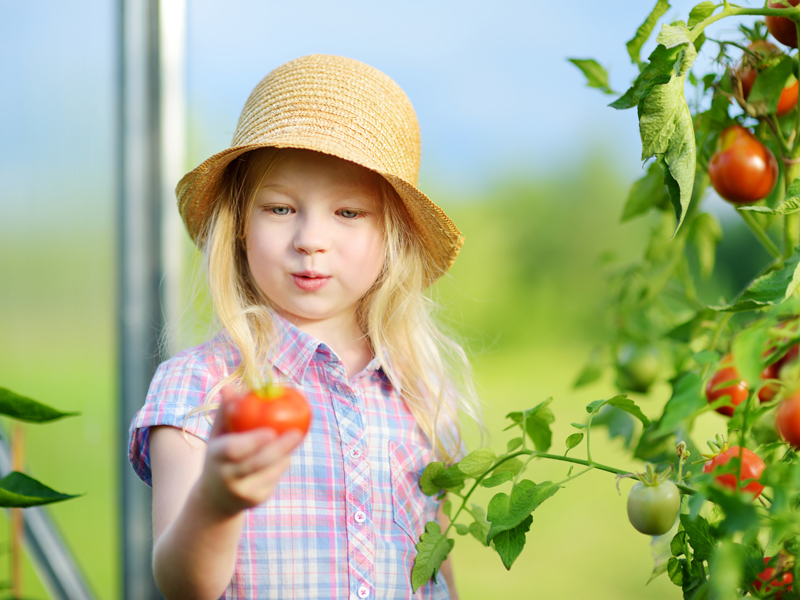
312,234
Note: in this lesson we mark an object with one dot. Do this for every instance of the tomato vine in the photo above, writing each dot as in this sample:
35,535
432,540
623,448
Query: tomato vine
738,531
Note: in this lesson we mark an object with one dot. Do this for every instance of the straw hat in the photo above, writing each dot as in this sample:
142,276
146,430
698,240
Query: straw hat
341,107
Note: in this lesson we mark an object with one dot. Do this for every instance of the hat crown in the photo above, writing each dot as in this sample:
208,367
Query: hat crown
335,105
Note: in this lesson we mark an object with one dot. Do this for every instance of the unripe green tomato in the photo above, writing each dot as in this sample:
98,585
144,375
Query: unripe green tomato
638,366
652,509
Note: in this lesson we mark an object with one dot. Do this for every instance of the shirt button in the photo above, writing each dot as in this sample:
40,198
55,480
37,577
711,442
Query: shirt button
363,591
360,518
355,453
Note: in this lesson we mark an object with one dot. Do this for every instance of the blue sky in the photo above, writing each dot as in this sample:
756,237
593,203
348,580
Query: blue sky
491,84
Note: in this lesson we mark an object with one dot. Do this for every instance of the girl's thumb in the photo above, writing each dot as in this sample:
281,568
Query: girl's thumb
228,395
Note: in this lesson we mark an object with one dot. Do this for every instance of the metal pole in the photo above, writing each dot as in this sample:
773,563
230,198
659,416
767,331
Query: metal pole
140,270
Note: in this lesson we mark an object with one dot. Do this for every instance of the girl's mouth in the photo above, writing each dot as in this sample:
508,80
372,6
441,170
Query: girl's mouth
309,281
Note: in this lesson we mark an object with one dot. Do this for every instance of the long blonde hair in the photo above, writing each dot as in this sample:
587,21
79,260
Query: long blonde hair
428,368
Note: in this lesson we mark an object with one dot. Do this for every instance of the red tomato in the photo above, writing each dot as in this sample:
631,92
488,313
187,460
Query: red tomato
781,28
776,586
742,170
748,71
727,382
787,420
279,408
751,468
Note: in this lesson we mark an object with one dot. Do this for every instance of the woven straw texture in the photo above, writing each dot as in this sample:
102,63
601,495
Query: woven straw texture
341,107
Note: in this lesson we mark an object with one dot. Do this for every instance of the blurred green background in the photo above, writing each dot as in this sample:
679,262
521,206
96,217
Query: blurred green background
531,165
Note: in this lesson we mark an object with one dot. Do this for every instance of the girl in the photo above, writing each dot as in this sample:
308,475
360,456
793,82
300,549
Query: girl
318,248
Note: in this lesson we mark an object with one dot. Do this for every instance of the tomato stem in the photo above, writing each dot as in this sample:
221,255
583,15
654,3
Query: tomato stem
759,232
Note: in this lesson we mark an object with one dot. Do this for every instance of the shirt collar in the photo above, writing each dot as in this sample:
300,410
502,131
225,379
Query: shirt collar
292,350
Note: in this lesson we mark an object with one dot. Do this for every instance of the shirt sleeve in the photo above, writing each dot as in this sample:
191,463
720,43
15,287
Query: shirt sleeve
179,386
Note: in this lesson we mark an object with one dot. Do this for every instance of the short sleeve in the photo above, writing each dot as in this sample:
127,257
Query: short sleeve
179,386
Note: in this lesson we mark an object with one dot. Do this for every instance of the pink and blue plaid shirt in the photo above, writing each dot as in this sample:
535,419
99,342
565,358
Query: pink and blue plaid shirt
345,518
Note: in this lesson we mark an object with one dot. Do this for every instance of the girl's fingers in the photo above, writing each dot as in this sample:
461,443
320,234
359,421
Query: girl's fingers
236,447
228,395
270,454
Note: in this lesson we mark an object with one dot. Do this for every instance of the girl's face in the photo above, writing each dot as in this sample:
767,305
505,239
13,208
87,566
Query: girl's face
314,241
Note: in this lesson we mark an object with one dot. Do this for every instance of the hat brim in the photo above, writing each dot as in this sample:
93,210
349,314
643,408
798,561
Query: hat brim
199,190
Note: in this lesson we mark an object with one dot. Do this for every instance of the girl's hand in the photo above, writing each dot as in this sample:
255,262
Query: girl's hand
241,470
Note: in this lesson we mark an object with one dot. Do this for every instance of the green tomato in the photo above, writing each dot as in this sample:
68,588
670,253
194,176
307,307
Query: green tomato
652,509
638,367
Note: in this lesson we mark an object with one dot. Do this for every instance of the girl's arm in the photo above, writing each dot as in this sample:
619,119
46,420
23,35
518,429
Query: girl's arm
199,494
447,566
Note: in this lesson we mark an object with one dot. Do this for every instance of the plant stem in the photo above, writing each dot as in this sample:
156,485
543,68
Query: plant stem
759,232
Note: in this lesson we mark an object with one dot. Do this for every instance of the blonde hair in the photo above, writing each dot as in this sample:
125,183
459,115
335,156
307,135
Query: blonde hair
428,368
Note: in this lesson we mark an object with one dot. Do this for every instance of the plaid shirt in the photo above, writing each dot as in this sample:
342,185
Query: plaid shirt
345,518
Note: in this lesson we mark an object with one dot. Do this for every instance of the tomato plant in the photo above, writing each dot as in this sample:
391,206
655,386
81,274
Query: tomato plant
737,134
756,58
653,504
742,170
751,466
727,383
277,407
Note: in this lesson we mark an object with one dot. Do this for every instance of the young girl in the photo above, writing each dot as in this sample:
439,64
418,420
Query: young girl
318,249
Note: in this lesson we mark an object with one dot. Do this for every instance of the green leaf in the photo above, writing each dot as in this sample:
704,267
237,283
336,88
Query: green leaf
596,75
25,409
462,529
740,514
700,537
645,193
618,422
573,440
787,207
630,407
657,71
537,423
512,465
432,550
506,512
769,84
593,369
634,45
660,551
706,234
578,425
706,357
685,401
674,35
675,569
426,480
513,444
509,544
701,12
747,350
447,507
497,479
667,132
476,463
770,289
479,528
594,406
686,332
451,479
679,546
791,203
20,491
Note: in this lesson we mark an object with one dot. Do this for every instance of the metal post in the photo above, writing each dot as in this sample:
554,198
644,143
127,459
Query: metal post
140,270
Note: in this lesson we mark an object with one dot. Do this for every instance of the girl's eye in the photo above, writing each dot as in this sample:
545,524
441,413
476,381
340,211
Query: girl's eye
349,214
279,210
